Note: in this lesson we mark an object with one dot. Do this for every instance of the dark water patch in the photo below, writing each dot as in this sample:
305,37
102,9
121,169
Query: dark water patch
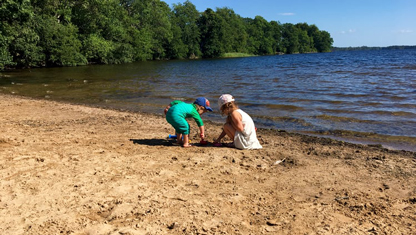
365,112
408,66
285,119
349,94
372,104
341,119
389,113
283,107
408,106
368,138
398,97
408,114
363,73
281,122
342,71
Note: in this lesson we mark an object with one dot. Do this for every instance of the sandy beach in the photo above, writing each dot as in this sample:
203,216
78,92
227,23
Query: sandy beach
71,169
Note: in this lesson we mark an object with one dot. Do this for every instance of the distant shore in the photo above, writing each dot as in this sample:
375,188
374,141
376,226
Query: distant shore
363,48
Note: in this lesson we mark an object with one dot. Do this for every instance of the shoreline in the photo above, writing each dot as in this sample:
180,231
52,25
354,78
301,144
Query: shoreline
388,142
76,169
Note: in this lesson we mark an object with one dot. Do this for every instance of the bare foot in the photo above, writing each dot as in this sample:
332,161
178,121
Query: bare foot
177,143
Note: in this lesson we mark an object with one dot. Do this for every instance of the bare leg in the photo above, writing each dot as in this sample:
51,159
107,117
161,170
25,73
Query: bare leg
179,138
229,130
186,141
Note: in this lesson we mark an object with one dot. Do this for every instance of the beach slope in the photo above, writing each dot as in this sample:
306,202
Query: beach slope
71,169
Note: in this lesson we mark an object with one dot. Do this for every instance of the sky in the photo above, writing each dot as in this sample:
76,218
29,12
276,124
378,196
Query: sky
351,23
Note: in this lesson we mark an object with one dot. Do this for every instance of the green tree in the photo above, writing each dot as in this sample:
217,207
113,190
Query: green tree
306,42
140,31
323,42
260,36
185,31
252,43
266,40
5,58
142,44
98,50
290,36
58,9
60,43
25,46
313,33
107,24
75,32
152,18
234,38
12,11
176,49
18,40
211,28
276,35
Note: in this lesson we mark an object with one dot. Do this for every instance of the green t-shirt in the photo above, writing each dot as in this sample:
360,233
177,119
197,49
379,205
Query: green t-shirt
175,102
178,113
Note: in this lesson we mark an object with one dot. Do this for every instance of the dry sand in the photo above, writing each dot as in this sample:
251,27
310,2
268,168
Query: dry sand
70,169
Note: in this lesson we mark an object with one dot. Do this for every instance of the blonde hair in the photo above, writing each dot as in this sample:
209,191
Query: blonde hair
228,108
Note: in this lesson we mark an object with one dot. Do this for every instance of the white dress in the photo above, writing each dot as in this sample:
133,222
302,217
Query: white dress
247,139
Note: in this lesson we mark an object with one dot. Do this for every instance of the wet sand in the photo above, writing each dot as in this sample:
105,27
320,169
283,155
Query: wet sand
71,169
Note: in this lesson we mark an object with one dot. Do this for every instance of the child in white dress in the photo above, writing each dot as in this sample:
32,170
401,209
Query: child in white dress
239,125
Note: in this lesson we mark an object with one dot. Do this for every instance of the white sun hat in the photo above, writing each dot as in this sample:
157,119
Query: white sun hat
225,98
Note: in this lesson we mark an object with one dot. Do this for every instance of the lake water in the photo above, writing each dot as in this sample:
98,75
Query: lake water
359,96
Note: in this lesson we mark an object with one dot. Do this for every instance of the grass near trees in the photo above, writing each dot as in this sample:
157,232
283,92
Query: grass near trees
236,55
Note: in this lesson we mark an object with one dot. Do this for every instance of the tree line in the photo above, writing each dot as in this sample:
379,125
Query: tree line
366,48
38,33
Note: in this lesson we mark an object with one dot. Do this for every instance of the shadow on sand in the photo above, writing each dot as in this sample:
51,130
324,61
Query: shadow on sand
163,142
152,142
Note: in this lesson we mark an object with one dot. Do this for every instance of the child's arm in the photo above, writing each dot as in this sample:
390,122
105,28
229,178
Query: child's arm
236,121
202,132
220,137
195,115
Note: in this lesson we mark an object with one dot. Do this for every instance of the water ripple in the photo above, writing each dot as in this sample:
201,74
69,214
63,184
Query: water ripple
359,91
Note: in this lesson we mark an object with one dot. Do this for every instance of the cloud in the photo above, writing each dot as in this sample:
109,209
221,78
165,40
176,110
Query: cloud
287,14
406,31
349,31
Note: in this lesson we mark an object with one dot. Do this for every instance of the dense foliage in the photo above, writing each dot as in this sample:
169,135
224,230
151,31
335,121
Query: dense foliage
36,33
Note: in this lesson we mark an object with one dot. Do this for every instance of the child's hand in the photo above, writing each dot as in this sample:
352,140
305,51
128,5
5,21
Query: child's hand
166,109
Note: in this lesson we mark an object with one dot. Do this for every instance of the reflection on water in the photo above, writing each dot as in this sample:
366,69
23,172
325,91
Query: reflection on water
371,92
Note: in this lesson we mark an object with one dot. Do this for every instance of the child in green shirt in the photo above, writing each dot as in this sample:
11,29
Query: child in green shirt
178,111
